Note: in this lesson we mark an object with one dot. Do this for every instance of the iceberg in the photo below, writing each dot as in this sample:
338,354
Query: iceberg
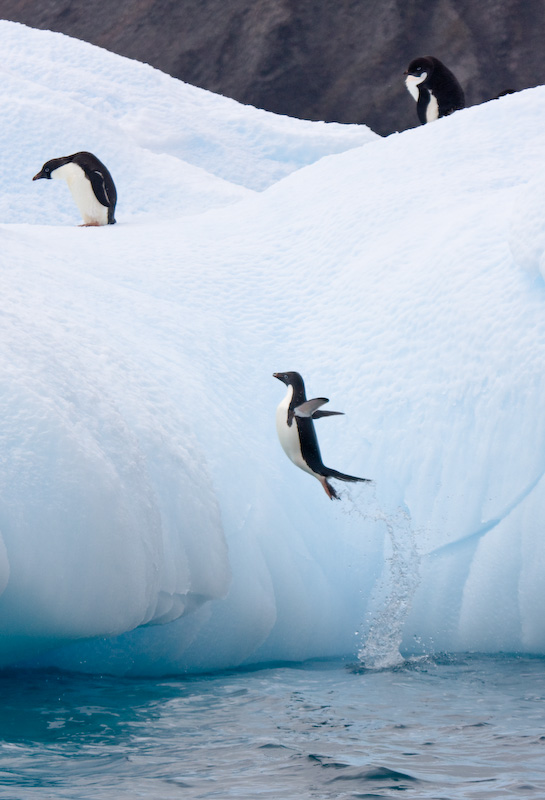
149,521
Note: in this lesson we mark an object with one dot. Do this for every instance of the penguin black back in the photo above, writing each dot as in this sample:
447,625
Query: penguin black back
101,181
434,87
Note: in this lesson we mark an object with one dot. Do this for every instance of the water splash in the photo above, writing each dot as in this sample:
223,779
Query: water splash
392,598
393,595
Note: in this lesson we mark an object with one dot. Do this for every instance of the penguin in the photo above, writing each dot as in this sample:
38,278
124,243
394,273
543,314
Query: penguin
91,185
434,87
295,427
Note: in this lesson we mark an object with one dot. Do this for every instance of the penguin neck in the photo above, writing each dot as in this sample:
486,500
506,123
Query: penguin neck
296,395
69,172
412,83
288,397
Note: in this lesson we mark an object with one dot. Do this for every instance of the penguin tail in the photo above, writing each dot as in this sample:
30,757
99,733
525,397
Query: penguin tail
332,473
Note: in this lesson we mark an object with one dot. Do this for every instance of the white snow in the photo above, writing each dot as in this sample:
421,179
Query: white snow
150,522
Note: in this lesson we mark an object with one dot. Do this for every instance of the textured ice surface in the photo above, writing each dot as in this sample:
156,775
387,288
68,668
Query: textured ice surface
174,149
141,479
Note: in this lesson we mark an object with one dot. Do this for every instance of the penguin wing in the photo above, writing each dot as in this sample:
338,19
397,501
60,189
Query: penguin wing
310,409
98,182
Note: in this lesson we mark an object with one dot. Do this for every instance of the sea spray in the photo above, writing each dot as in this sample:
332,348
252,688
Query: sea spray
391,599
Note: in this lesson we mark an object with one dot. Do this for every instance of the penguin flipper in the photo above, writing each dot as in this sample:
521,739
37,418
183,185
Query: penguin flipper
98,182
318,414
309,407
422,104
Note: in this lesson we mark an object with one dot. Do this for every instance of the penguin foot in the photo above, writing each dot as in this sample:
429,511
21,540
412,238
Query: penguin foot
329,490
89,225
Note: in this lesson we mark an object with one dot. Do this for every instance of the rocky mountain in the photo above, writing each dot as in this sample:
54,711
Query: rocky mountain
338,61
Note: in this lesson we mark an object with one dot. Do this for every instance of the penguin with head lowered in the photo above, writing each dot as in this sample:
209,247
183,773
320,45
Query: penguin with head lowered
90,183
434,87
295,427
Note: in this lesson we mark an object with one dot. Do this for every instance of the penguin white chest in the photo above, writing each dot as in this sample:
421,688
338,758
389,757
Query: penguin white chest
288,434
432,111
412,82
92,212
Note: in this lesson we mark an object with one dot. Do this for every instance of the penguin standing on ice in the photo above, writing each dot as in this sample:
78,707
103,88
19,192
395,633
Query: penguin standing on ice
295,427
434,87
91,185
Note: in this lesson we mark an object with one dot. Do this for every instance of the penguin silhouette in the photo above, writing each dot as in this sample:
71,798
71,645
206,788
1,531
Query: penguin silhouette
434,87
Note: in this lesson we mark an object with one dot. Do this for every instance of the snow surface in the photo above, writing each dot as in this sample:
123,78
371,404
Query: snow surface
150,522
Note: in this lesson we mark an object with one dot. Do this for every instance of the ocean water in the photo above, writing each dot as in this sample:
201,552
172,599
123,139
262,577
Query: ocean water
444,728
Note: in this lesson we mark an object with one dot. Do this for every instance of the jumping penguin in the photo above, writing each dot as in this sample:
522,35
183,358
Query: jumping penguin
434,87
295,427
91,185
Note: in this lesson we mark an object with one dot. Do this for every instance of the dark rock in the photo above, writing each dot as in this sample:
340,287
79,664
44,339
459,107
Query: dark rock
339,61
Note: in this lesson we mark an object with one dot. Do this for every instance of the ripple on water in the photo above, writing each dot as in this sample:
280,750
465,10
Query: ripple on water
469,728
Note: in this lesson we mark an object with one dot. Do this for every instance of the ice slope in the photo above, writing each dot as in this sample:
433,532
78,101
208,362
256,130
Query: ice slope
177,149
150,521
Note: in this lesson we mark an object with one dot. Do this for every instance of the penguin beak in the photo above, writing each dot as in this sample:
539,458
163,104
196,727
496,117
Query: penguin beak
39,175
279,375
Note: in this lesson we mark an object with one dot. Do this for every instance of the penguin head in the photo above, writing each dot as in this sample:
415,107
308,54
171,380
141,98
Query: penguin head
287,377
50,166
419,70
291,379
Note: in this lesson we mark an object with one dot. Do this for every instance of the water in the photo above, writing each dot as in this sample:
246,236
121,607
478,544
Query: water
464,727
